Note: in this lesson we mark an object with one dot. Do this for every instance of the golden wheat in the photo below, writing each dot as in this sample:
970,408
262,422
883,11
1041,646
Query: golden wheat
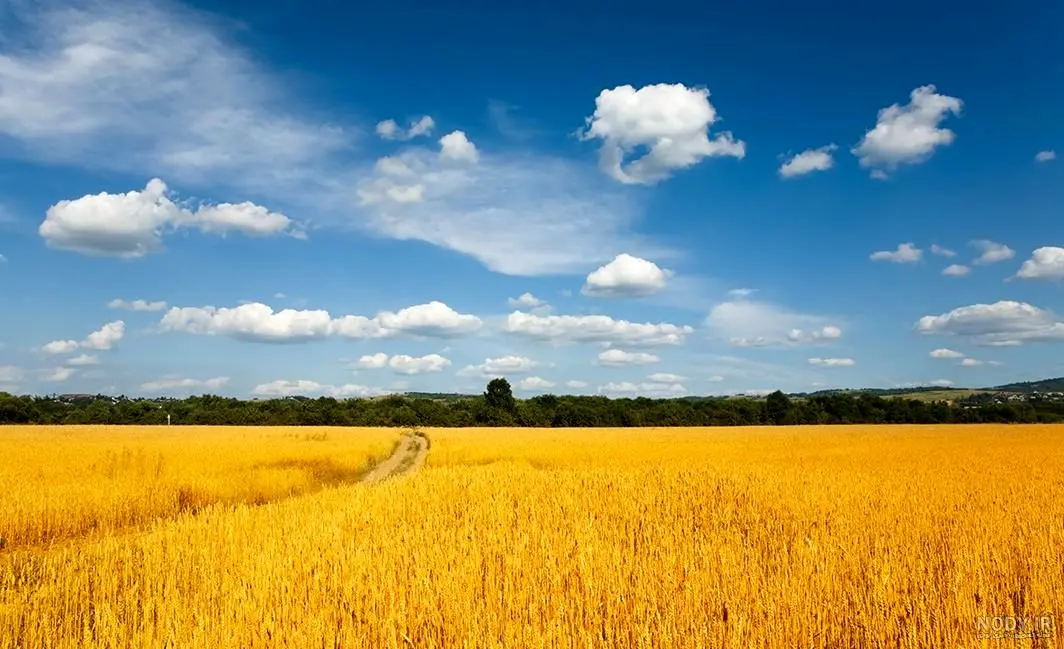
753,537
64,482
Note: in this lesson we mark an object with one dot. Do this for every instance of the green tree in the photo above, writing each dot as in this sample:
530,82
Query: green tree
500,395
777,407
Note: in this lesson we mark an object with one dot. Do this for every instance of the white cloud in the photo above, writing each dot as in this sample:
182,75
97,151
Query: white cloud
992,252
518,215
133,224
3,259
526,300
621,358
60,347
106,336
648,389
666,377
671,121
908,134
304,387
456,146
502,366
374,362
1046,262
808,161
956,270
594,329
943,352
534,383
742,292
576,385
1045,156
971,362
136,305
1003,323
626,276
390,130
59,374
716,378
102,339
943,252
258,322
155,87
941,383
162,89
287,388
906,253
413,365
176,383
82,360
832,362
750,323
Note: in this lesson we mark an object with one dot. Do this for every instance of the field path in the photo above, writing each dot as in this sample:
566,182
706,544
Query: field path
407,458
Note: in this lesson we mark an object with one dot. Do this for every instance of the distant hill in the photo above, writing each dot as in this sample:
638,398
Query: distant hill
1045,385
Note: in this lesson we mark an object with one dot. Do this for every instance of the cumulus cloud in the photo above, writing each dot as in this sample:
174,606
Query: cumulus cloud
136,305
1045,156
750,323
646,389
102,339
457,147
991,252
908,134
133,224
1003,323
944,352
413,365
576,385
1046,262
942,252
501,366
906,253
808,161
389,129
303,387
670,121
525,300
534,383
956,270
621,358
626,276
832,362
258,322
177,383
594,329
373,362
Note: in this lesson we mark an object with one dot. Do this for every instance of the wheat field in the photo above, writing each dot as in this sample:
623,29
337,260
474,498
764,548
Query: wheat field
856,536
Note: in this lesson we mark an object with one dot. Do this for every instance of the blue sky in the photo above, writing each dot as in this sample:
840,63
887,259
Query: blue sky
259,199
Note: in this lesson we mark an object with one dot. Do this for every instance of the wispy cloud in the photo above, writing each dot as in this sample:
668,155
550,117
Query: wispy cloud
159,90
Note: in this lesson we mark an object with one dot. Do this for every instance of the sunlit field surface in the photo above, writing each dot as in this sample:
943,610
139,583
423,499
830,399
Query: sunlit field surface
63,482
784,537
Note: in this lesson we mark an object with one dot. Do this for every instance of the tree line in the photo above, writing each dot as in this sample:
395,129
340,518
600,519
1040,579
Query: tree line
498,407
